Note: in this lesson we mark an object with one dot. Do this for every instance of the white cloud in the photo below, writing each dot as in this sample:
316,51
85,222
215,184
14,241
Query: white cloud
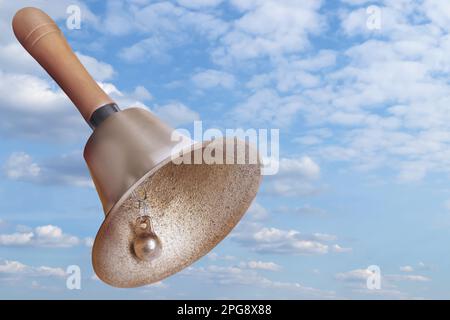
304,210
295,73
42,236
354,275
52,236
423,266
171,20
165,26
16,239
67,169
267,107
125,99
159,285
88,242
99,70
213,78
304,167
338,249
354,21
198,4
34,106
31,94
438,12
388,101
154,48
270,28
406,269
237,276
13,58
118,20
49,271
261,265
215,257
278,241
361,276
176,114
142,94
257,211
12,267
18,268
21,166
296,177
409,277
265,28
325,237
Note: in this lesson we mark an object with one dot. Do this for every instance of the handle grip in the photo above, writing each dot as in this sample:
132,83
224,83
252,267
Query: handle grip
42,38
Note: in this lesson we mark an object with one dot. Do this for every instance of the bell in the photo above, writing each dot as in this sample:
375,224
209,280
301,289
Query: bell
163,208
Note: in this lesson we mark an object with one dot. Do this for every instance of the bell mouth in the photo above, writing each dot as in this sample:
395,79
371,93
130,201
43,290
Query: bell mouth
192,208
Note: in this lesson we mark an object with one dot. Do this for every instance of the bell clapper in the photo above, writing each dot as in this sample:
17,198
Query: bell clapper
146,245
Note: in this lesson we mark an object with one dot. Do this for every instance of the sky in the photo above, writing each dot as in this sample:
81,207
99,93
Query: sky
358,90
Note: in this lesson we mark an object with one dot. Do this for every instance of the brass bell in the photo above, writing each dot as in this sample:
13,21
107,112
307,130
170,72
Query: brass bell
161,213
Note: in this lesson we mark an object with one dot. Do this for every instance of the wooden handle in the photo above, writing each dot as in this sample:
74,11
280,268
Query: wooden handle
42,38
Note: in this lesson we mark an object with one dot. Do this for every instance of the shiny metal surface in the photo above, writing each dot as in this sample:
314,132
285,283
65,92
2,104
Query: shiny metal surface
123,149
192,207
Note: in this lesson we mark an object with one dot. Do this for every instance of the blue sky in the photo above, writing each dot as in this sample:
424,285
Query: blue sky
364,135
